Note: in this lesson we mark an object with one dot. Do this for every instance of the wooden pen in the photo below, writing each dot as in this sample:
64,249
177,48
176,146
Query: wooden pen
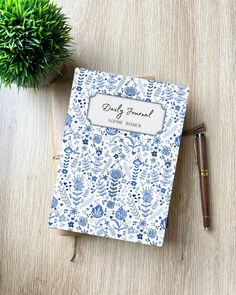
201,155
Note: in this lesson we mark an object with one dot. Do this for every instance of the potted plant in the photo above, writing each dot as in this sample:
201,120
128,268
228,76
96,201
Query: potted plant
34,42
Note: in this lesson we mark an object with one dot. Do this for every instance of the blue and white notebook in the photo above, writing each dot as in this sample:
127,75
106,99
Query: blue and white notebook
120,149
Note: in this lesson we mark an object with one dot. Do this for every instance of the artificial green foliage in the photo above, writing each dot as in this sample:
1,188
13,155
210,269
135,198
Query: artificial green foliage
34,39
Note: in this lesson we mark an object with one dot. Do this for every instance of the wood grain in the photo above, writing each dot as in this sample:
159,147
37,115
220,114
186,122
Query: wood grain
189,42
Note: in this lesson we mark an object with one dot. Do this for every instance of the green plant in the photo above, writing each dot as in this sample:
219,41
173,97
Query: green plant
34,39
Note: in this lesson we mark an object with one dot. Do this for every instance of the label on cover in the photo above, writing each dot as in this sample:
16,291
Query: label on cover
126,114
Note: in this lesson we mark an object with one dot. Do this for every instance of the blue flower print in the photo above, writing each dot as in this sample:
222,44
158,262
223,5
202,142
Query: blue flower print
137,162
157,140
139,236
76,135
71,224
116,156
94,178
133,183
116,174
147,196
142,223
85,141
68,119
99,152
68,150
79,88
110,204
111,131
97,211
83,221
74,211
168,164
54,203
145,147
88,128
64,171
130,91
134,134
166,150
97,138
152,233
121,214
177,108
62,218
78,184
154,154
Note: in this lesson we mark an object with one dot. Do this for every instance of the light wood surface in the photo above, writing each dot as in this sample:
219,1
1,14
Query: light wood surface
189,42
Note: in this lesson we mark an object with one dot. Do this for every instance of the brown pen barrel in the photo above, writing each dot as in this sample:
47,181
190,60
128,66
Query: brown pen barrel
200,142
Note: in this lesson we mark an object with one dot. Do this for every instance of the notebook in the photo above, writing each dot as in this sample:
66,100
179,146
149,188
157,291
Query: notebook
119,153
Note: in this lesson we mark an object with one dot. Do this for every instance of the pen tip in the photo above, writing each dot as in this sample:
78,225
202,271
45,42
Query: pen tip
207,228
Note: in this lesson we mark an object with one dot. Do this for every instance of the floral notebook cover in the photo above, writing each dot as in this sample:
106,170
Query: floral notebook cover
119,155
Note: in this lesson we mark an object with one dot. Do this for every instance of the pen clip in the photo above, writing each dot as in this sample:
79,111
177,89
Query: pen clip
199,128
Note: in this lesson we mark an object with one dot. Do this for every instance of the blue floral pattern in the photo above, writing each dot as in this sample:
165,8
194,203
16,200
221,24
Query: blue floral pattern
114,183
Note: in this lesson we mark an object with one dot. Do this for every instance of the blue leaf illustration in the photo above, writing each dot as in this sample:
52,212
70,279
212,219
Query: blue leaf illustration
101,188
86,164
97,211
164,223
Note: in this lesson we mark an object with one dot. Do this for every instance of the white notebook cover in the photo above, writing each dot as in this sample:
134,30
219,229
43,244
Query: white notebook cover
120,149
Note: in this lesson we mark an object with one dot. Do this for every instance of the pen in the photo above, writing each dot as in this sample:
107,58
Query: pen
201,155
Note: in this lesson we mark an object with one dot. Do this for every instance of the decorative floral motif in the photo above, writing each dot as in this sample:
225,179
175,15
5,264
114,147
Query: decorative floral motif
134,134
54,203
133,183
152,233
97,211
130,91
111,131
110,204
164,223
147,196
78,184
154,154
83,221
116,174
113,187
68,119
112,182
166,150
85,141
177,140
137,162
68,150
120,214
97,138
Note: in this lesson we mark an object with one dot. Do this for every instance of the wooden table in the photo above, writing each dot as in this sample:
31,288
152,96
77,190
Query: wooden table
189,42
